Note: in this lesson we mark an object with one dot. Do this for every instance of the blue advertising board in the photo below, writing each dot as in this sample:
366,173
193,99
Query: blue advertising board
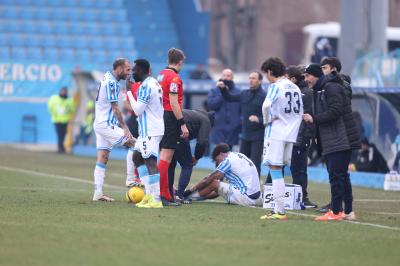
24,91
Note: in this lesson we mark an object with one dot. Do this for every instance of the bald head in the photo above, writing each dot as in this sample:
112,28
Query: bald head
227,74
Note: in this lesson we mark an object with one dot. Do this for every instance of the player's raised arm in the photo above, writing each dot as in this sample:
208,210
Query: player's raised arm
137,106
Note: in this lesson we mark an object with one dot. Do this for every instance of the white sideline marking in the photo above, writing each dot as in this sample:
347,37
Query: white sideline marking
62,177
51,189
74,179
352,222
377,200
388,213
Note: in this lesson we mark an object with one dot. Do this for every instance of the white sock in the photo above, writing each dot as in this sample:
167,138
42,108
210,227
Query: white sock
145,182
130,166
99,173
278,189
154,186
195,195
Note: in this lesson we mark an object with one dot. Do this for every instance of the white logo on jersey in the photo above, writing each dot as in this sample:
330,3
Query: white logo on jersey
173,87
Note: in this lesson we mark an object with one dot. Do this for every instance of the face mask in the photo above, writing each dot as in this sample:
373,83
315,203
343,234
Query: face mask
64,96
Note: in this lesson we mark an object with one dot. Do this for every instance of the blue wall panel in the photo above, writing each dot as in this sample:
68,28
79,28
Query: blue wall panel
193,29
25,88
11,122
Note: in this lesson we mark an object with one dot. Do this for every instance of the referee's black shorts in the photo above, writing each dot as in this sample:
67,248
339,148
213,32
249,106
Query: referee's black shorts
172,131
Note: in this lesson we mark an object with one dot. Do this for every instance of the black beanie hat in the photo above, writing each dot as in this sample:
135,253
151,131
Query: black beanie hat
314,69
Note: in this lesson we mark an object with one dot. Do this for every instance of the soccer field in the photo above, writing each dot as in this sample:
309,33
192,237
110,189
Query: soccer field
47,218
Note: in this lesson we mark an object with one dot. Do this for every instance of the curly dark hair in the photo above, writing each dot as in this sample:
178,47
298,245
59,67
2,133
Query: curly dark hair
275,65
295,72
220,148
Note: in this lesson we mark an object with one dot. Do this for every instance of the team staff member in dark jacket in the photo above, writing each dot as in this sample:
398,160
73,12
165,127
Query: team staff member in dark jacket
199,124
251,100
329,109
332,66
299,160
227,114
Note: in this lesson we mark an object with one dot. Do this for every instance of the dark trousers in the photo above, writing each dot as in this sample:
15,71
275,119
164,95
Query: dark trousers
183,156
298,167
61,130
253,150
337,164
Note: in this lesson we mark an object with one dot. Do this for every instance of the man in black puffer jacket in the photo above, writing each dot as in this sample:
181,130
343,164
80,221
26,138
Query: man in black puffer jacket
332,66
330,115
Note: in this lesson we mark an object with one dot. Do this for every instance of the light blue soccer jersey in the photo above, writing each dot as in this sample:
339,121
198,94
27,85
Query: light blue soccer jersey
240,172
151,121
108,92
286,111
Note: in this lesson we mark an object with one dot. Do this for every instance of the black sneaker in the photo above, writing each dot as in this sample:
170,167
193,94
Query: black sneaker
308,204
325,209
183,200
167,203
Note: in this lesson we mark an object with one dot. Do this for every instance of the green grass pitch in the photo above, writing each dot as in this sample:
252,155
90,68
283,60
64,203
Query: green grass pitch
47,218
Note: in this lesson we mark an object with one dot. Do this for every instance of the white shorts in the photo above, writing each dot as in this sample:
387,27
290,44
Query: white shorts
233,195
277,152
148,146
108,136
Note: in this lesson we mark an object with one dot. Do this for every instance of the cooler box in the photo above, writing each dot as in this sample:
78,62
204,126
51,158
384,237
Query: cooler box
293,197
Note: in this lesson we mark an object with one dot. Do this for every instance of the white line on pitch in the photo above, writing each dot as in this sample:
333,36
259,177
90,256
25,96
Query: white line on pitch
74,179
352,222
377,200
387,213
51,189
62,177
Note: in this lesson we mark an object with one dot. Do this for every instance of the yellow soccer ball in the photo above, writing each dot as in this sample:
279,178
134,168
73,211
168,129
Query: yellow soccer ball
134,194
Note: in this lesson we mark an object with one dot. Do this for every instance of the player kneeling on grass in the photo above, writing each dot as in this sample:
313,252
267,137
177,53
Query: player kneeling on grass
242,186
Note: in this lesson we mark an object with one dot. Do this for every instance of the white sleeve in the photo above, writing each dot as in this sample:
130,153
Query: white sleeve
137,106
265,111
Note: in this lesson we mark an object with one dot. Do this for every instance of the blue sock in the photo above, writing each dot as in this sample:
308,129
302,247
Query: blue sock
142,170
286,171
276,174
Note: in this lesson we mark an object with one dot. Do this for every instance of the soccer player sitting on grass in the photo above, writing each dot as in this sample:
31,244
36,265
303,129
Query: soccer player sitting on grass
242,186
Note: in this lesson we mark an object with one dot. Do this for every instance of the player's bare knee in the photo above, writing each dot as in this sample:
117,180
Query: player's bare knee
102,156
215,185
